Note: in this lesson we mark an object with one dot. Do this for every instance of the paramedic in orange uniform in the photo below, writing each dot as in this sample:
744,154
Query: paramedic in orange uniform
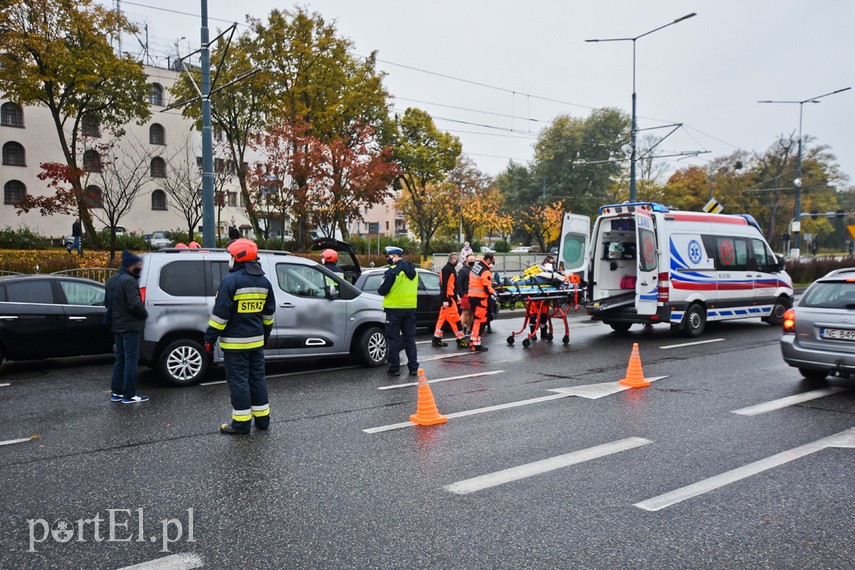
448,310
480,289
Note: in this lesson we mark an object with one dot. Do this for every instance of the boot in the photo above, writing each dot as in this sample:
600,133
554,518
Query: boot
462,343
229,429
438,342
479,348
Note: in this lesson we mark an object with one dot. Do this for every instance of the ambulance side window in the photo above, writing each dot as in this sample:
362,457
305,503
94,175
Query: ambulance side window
731,254
762,256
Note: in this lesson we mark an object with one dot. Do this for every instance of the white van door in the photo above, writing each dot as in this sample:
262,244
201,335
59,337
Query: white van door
575,244
646,284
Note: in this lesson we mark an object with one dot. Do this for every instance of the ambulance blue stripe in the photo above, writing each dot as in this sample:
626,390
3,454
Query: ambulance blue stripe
675,256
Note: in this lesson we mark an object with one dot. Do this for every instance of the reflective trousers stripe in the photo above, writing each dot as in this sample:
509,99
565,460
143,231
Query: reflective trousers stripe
242,415
261,411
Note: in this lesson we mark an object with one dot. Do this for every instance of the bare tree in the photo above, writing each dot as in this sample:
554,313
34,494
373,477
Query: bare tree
184,185
115,174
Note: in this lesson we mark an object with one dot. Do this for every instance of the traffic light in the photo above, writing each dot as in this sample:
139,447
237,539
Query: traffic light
840,213
814,214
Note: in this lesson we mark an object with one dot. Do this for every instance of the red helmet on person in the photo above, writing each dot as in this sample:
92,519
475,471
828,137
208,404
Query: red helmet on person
329,256
243,249
194,245
180,245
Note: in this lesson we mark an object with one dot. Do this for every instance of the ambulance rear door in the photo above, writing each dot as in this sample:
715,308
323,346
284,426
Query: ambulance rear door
646,284
575,245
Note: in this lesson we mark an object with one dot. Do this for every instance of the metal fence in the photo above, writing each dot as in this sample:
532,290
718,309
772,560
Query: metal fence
100,274
506,263
4,273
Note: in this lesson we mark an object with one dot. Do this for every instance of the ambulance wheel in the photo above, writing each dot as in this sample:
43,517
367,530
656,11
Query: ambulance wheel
511,339
620,327
526,343
776,319
566,339
694,321
183,362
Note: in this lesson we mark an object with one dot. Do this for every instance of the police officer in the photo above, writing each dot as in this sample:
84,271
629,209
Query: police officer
330,258
242,319
400,288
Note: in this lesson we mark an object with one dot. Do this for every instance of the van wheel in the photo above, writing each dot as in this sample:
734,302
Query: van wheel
620,327
777,317
694,321
813,375
183,362
371,348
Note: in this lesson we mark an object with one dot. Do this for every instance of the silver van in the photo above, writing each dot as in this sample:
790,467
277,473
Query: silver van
318,313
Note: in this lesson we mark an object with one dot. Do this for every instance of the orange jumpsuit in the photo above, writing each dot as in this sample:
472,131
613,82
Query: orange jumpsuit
447,294
480,287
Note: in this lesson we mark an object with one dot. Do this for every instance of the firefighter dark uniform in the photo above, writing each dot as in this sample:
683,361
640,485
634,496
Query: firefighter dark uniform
448,307
480,288
242,320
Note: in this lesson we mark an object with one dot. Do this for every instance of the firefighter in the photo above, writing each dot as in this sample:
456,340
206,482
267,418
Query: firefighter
448,310
330,259
480,290
242,319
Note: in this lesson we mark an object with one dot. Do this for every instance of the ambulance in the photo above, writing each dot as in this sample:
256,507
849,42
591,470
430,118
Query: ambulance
648,264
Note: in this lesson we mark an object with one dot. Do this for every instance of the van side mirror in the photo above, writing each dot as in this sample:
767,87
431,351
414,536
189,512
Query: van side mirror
779,264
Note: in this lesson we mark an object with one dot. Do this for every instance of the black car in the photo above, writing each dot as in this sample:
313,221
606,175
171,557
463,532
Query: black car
44,316
427,309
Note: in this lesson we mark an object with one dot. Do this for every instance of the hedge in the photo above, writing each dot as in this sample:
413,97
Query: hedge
805,272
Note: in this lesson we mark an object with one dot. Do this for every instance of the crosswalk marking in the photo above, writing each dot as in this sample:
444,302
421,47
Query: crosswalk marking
843,439
788,401
543,466
596,391
185,561
20,440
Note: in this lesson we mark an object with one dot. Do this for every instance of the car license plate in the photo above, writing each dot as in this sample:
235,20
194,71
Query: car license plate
839,334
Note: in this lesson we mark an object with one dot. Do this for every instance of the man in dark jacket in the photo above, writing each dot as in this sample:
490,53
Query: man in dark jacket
243,319
77,235
400,289
126,316
466,316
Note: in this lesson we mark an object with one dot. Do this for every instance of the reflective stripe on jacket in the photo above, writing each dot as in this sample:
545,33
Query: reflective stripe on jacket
480,280
243,311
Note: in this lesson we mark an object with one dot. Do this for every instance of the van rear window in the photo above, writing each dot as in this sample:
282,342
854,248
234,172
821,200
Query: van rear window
183,278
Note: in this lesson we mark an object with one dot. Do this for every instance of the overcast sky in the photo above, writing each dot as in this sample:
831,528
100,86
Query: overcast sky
707,72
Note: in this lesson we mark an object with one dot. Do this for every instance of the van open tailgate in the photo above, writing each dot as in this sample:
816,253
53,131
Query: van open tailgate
610,303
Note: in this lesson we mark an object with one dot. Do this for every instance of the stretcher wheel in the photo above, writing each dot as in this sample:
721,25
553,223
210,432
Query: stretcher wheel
526,343
511,339
566,339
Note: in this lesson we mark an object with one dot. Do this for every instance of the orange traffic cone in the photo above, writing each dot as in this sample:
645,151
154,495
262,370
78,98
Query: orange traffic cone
634,375
427,413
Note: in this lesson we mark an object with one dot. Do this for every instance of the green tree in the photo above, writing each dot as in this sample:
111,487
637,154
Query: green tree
579,158
425,157
55,54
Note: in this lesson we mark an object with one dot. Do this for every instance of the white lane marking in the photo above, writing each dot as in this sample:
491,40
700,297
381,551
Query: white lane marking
596,391
172,562
402,425
284,374
444,356
21,440
788,401
4,385
461,377
843,439
697,342
543,466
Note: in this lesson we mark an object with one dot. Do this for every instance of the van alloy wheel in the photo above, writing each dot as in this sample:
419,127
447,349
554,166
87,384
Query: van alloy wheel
377,346
183,363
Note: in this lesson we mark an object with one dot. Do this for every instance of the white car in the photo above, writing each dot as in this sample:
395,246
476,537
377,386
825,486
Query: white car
159,240
522,249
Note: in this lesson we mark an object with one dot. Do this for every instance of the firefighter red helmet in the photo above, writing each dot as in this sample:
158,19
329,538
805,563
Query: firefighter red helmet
194,245
243,250
329,255
180,245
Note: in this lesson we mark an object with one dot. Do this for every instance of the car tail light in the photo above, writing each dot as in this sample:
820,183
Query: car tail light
664,287
142,294
790,321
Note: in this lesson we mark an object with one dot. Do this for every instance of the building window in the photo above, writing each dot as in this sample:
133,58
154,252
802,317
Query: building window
155,94
158,200
217,133
13,192
13,154
94,197
156,134
90,127
387,225
199,163
158,167
11,115
91,161
231,199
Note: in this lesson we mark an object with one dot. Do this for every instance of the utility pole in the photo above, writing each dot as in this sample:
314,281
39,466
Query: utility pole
208,234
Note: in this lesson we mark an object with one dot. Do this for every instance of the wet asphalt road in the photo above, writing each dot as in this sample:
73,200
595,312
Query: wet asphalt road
317,491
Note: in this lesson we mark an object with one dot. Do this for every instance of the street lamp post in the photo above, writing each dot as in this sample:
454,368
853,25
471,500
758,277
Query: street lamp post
634,126
795,251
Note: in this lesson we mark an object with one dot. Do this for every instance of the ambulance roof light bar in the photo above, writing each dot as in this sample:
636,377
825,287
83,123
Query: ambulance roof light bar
631,206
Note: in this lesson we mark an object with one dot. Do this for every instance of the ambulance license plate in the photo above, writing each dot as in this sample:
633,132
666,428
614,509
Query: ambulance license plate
838,334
